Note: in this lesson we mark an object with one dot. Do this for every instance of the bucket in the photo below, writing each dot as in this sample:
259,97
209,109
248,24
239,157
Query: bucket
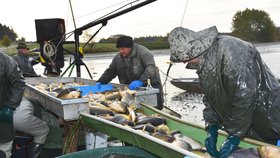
96,140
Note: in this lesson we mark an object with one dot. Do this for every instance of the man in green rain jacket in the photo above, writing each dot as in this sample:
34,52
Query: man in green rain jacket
12,85
241,94
133,65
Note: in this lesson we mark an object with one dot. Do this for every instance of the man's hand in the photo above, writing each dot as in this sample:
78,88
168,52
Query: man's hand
230,144
135,84
6,114
98,85
211,140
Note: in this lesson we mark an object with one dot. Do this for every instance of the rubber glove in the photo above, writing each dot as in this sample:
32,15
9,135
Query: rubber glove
6,114
135,84
230,144
211,140
98,85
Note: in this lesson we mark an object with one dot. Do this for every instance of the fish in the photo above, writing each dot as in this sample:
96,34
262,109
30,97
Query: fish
127,97
72,94
269,152
175,132
132,114
145,127
106,103
155,121
123,119
118,106
164,137
107,117
97,110
163,128
194,144
109,95
245,153
182,144
69,93
41,86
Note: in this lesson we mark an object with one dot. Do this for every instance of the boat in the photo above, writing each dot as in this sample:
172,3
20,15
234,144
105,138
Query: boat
119,151
188,84
157,146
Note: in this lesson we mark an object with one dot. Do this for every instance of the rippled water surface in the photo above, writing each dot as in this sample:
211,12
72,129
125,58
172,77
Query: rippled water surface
189,105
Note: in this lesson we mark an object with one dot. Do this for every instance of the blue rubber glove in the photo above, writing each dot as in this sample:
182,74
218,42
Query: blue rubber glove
211,140
98,85
135,84
230,144
6,114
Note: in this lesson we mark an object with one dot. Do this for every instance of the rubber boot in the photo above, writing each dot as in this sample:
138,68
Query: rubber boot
34,149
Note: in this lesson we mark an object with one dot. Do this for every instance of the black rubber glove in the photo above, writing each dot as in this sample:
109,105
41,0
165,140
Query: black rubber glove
6,114
211,140
230,144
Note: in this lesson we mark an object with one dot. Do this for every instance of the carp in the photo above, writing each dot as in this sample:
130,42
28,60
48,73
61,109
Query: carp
118,106
182,144
155,121
163,128
164,137
97,110
132,114
244,153
194,144
123,120
269,152
147,127
69,93
109,95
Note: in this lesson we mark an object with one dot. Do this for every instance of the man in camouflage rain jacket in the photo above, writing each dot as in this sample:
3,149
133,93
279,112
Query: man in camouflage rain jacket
241,94
133,65
12,85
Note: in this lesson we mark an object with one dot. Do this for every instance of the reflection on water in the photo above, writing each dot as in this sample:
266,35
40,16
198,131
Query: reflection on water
189,105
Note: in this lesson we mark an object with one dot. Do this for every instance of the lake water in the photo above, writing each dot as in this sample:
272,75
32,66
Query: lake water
189,105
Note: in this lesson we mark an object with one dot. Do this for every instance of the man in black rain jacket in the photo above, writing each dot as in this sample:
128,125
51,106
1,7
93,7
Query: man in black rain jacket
12,85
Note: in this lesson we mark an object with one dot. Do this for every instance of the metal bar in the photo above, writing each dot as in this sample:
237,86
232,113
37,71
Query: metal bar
115,15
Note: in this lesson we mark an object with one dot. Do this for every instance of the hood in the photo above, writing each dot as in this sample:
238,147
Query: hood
186,44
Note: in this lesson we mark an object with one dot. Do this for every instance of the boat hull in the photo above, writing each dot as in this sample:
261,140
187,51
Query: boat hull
188,84
154,145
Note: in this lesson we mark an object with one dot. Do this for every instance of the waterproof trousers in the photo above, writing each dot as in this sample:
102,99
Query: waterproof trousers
25,121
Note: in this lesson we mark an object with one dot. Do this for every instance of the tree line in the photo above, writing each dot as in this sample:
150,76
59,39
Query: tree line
9,32
250,24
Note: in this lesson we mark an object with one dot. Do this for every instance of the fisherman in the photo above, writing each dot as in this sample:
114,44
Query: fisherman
241,94
134,65
12,85
24,119
25,62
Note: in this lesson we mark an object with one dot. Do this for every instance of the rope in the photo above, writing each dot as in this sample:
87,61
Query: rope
184,12
49,49
50,52
166,78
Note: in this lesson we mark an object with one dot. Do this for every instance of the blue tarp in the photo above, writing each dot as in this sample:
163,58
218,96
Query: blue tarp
86,89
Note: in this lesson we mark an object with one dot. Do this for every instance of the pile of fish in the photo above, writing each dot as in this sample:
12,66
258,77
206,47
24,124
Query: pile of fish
120,107
61,90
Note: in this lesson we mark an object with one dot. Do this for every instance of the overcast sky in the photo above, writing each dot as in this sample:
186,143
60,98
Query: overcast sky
157,18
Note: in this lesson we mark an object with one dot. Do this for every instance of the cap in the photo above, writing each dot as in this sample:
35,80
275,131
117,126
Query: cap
124,41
